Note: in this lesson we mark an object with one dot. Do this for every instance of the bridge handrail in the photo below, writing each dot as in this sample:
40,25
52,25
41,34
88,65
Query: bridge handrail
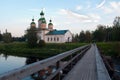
20,73
102,73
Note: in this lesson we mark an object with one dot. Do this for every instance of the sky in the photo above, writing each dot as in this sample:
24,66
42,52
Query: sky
74,15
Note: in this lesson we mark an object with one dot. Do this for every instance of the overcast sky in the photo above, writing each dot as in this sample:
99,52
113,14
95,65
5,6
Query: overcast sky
75,15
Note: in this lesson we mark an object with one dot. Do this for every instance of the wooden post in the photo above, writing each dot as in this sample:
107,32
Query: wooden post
58,75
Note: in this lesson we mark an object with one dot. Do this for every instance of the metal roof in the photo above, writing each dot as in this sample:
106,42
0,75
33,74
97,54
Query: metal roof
57,32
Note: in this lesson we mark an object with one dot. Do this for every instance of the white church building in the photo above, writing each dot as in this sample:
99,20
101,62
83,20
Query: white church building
48,34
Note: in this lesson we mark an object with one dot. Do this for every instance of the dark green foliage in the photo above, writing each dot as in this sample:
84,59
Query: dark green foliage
32,37
82,37
7,37
41,43
110,48
21,49
0,37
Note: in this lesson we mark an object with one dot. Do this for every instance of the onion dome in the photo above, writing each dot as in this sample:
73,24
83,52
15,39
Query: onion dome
42,13
50,22
42,20
32,21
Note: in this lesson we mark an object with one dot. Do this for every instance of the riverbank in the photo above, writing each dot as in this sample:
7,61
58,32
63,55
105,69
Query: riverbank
21,49
111,49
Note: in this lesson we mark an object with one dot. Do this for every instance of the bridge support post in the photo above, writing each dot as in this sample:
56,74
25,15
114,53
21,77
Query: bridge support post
57,66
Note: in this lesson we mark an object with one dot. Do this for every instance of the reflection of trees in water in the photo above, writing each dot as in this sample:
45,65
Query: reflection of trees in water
5,55
31,60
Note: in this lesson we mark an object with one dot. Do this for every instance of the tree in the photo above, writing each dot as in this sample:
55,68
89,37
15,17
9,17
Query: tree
0,37
7,37
82,37
88,36
32,37
116,22
99,33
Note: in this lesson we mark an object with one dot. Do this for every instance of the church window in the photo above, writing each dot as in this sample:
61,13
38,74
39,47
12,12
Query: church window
51,39
54,39
57,38
48,38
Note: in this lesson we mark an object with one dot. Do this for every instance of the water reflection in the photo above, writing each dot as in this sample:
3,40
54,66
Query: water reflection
8,62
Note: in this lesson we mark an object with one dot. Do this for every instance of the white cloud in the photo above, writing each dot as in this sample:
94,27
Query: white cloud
115,6
107,10
78,7
112,7
101,4
80,17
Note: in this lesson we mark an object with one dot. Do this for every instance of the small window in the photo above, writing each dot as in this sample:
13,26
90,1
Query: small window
54,39
51,39
48,38
57,38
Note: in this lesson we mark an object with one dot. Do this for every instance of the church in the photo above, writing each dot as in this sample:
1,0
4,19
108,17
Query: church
49,34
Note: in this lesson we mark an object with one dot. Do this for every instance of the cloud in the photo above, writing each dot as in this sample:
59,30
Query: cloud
115,6
78,7
81,17
101,4
112,7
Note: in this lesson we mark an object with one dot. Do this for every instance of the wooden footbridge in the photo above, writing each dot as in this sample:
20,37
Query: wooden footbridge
83,63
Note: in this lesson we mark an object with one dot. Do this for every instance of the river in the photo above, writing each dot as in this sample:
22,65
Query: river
8,63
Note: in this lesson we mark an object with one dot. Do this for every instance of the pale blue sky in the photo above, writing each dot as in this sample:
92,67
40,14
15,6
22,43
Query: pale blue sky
75,15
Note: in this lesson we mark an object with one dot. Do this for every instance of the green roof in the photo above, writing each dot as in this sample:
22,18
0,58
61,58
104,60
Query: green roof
42,20
57,32
32,22
50,24
42,13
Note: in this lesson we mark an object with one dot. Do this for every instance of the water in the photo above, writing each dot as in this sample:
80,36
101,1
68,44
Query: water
8,63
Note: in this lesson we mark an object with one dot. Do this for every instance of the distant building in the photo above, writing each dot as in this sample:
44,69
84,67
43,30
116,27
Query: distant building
50,35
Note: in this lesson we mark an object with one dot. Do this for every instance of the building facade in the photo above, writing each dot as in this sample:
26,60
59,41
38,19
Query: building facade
48,34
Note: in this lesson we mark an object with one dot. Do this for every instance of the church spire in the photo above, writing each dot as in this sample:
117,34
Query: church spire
33,23
50,25
42,13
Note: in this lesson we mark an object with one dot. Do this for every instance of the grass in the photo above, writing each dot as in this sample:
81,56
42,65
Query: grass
110,48
21,49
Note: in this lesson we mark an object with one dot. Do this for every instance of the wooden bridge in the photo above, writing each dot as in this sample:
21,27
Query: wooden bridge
83,63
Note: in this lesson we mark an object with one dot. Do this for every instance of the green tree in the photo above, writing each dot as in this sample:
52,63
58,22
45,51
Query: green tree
88,36
32,37
82,37
99,34
0,37
7,37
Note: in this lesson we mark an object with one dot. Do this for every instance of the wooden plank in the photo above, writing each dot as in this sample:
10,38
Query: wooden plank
27,70
85,69
102,73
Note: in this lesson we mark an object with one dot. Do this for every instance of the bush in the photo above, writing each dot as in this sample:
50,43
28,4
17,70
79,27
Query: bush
41,43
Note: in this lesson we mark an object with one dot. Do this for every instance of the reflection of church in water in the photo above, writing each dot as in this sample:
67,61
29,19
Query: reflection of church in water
50,35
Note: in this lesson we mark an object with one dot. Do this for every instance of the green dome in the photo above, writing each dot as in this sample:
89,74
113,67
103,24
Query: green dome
42,20
42,13
32,22
50,22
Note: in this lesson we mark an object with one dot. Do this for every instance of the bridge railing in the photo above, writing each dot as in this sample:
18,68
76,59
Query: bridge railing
102,73
20,73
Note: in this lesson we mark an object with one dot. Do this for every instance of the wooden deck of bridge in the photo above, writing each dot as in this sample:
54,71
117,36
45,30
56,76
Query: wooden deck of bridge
89,67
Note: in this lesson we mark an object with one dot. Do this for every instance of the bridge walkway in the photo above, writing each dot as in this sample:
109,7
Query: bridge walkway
90,67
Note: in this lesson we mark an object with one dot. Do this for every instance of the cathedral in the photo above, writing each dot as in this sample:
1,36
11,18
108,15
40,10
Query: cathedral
49,34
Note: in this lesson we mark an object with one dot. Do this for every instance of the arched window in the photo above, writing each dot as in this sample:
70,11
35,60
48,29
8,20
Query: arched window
57,38
51,38
48,38
54,39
